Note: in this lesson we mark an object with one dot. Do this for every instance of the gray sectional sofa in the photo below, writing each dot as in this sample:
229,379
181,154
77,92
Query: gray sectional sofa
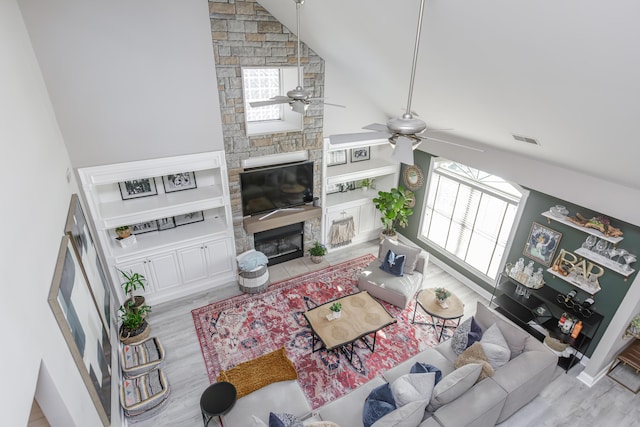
490,401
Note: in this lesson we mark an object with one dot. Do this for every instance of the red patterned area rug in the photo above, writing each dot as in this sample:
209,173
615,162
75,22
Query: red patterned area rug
242,328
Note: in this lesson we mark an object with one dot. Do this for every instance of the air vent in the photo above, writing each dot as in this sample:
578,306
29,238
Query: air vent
525,139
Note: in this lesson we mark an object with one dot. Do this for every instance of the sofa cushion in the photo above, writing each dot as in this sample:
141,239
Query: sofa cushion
421,368
475,354
378,404
432,356
516,338
412,387
495,347
409,252
347,410
454,385
408,415
393,263
467,333
284,420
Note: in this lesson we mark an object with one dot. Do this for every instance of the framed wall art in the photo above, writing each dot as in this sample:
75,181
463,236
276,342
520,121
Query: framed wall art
144,227
542,244
336,157
179,182
85,249
359,154
138,188
413,178
79,320
166,223
189,218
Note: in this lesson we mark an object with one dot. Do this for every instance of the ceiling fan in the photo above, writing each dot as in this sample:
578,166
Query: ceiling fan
404,133
298,99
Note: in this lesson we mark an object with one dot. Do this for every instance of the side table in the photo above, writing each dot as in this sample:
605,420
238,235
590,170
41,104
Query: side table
427,301
217,400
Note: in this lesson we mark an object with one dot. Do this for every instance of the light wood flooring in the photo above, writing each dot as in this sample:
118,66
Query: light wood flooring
565,402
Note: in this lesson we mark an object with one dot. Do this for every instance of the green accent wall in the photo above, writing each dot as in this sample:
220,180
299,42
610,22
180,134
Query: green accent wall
614,286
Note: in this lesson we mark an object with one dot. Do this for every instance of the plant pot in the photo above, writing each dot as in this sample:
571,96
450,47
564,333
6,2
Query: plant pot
131,337
336,314
317,259
123,234
137,301
442,302
383,236
364,188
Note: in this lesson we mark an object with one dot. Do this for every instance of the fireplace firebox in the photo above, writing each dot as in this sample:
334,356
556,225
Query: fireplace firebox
281,244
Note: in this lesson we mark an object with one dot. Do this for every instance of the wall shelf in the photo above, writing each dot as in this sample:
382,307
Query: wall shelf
254,224
592,231
587,289
605,262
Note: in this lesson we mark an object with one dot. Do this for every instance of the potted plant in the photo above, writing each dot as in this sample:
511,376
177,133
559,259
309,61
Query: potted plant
133,281
317,252
134,327
123,231
394,207
441,295
634,326
336,309
366,183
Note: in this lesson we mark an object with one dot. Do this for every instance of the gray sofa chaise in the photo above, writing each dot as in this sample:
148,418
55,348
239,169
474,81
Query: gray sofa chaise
489,401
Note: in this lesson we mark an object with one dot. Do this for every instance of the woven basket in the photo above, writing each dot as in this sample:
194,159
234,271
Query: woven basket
555,344
133,339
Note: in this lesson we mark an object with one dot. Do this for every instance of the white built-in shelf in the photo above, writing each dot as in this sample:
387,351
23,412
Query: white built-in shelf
591,231
587,289
604,261
133,211
359,170
352,197
165,239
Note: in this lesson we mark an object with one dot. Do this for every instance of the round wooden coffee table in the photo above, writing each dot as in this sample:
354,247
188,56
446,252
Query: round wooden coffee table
426,300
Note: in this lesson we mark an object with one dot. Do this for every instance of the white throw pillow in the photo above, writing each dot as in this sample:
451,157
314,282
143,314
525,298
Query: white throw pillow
409,415
413,387
495,347
454,385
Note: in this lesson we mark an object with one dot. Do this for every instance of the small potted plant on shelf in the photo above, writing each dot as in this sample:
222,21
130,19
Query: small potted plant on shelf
395,210
123,231
634,327
366,183
441,296
317,252
336,309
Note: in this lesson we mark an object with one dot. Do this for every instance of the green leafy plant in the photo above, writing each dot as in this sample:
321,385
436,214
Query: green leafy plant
132,282
367,182
336,307
132,317
635,322
122,228
394,208
318,249
442,293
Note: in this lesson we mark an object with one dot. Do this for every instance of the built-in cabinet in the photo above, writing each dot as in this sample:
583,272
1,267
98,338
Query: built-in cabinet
342,194
196,254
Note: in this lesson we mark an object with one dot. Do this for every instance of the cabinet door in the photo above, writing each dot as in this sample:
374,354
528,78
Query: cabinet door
338,214
137,266
368,218
193,263
164,270
220,258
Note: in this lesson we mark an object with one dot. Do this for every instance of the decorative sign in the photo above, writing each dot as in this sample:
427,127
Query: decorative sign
582,273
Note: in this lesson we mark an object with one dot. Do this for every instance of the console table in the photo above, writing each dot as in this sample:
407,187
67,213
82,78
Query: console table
523,310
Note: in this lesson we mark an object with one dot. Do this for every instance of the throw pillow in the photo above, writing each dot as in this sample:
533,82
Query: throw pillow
321,424
495,347
410,415
413,387
422,368
475,354
467,333
409,252
515,337
378,404
283,420
393,263
454,385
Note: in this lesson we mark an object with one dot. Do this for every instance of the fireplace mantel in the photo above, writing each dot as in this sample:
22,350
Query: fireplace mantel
279,219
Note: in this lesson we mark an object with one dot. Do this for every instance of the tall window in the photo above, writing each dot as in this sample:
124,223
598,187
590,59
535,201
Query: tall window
469,214
261,84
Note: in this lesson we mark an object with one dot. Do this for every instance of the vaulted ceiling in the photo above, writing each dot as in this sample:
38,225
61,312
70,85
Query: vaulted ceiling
565,73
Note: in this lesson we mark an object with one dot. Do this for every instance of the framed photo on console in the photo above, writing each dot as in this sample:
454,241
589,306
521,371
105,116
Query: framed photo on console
359,154
138,188
179,182
189,218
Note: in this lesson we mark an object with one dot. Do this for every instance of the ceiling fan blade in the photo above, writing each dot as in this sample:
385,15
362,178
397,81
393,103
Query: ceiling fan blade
403,151
335,105
346,138
377,127
273,101
480,150
322,100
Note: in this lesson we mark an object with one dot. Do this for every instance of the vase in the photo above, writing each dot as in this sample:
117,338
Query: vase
442,302
336,314
317,259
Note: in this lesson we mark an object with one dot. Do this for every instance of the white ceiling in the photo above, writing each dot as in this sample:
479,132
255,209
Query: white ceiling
565,73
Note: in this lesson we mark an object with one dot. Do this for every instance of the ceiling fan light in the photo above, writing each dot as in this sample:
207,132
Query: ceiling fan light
299,106
403,151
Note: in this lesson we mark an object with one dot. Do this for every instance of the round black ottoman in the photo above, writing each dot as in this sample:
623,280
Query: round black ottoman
217,400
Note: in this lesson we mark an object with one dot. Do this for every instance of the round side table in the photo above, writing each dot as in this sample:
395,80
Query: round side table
427,301
217,400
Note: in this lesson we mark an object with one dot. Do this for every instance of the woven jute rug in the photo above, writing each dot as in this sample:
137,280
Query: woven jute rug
248,326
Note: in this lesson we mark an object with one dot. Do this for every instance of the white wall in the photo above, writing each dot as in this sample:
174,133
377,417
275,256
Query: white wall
128,80
35,199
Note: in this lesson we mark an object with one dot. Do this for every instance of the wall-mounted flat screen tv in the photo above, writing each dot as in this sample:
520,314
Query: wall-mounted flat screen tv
278,187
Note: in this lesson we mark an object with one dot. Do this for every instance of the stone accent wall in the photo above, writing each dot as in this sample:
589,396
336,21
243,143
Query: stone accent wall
245,34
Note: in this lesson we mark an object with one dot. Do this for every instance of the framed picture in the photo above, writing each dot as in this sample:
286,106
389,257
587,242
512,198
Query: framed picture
138,188
85,249
179,182
166,223
144,227
189,218
337,158
73,307
542,244
359,154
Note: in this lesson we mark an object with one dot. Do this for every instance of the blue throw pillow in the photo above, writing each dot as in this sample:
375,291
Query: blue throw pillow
393,263
420,368
475,333
378,404
283,420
